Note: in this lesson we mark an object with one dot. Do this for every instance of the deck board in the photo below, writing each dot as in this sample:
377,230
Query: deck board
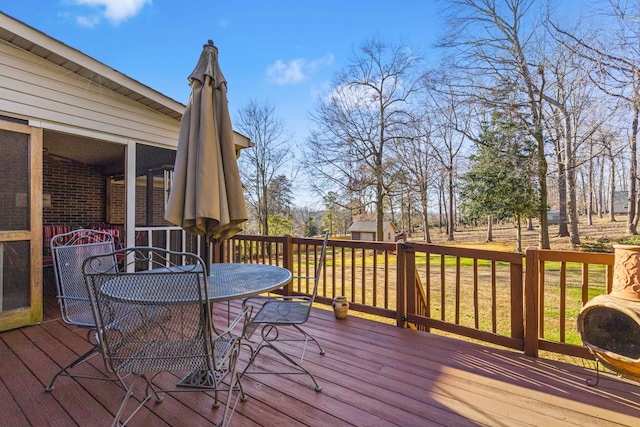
371,374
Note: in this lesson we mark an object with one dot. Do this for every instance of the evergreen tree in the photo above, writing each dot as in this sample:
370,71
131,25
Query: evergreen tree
311,227
501,179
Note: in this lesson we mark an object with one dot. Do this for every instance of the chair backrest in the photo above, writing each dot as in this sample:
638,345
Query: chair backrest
151,320
69,250
319,266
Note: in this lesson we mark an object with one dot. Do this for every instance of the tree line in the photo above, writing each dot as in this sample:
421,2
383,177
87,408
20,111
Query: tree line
526,109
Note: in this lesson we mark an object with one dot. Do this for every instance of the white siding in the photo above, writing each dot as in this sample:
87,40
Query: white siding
36,89
366,237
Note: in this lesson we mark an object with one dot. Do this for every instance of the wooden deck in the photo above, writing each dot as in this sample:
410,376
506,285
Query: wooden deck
371,375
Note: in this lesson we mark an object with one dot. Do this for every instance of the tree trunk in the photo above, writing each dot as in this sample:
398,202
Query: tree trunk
489,229
379,213
440,204
543,242
633,172
450,222
425,216
563,230
601,187
590,209
409,227
612,187
570,161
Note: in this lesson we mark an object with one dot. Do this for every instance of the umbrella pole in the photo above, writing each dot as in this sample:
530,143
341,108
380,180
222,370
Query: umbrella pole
206,254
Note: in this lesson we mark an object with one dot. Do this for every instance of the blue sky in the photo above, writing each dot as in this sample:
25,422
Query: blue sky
283,52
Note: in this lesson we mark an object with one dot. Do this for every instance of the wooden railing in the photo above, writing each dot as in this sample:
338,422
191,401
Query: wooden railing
463,290
364,272
558,284
479,294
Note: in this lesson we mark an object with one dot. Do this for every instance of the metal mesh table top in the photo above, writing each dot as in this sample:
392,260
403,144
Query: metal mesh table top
235,280
226,281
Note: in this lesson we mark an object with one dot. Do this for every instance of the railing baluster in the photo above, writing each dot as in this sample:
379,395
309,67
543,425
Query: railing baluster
343,270
541,299
374,277
364,275
443,290
386,279
585,283
353,274
457,295
476,315
494,314
563,300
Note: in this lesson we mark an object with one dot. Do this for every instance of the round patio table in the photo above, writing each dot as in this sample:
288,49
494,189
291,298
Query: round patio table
227,281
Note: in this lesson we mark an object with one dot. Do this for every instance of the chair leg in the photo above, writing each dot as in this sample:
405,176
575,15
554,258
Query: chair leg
268,343
129,394
65,371
234,380
308,337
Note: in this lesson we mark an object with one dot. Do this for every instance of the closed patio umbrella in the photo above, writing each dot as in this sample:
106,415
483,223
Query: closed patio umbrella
206,195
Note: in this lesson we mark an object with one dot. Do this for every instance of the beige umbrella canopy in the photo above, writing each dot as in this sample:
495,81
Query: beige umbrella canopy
206,195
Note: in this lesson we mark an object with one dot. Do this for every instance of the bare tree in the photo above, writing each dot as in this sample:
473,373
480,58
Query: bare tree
413,152
615,70
491,42
448,137
261,165
366,110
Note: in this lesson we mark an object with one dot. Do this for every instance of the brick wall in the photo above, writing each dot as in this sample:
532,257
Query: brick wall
77,193
80,198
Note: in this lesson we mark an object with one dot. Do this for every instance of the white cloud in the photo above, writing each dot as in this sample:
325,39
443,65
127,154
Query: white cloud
282,73
87,21
296,70
115,11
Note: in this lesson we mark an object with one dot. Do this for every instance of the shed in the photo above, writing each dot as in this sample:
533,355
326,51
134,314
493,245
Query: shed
366,230
620,202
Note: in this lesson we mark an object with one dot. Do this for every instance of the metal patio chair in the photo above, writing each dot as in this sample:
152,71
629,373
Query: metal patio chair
69,250
144,346
284,311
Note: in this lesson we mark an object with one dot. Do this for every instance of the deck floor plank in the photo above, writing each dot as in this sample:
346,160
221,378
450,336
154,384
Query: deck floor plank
371,374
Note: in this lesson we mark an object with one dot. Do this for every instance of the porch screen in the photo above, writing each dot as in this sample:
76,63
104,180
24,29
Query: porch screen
15,208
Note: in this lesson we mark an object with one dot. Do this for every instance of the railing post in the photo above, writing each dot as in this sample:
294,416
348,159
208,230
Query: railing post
217,253
401,285
287,261
531,303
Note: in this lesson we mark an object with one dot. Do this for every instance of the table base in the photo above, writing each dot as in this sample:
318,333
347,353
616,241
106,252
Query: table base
202,379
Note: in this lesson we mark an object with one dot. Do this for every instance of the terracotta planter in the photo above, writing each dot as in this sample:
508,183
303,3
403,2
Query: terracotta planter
340,307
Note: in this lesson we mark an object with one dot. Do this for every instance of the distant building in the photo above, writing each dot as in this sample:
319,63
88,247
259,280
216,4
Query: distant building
620,202
553,217
366,230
